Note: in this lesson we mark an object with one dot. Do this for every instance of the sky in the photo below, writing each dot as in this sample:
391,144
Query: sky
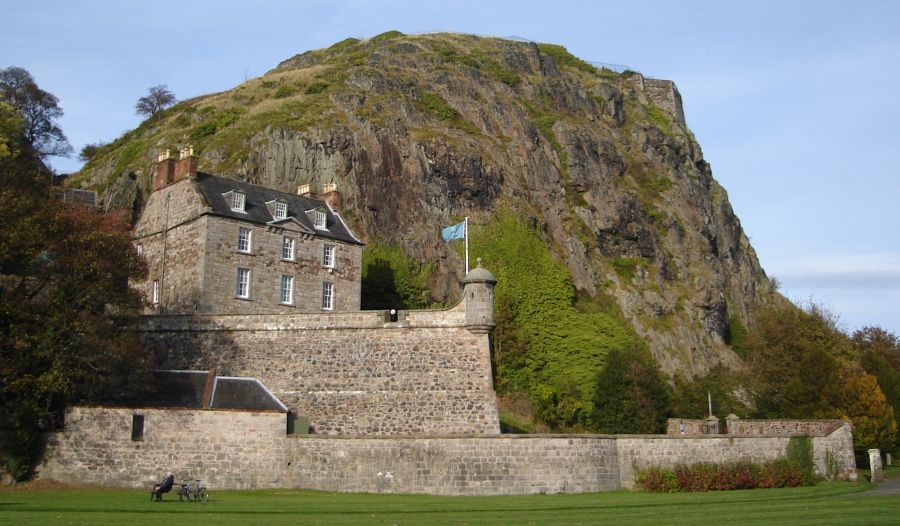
795,103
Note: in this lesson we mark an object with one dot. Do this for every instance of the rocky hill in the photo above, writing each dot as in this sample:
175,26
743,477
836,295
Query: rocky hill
420,131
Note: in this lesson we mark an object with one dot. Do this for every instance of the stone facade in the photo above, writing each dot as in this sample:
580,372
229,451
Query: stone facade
663,93
191,246
244,450
353,373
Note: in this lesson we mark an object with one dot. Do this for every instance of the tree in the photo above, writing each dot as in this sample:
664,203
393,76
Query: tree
879,355
88,151
631,396
795,361
38,109
64,296
157,99
863,403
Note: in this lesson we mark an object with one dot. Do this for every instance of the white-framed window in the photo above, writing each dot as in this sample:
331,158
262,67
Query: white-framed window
320,219
242,284
154,292
237,201
245,240
287,248
327,296
287,290
280,210
139,249
328,256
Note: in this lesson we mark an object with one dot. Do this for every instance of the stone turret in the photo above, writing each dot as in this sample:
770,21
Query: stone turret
478,290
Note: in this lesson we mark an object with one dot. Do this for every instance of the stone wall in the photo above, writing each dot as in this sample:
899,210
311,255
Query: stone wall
737,426
225,449
498,465
352,373
242,450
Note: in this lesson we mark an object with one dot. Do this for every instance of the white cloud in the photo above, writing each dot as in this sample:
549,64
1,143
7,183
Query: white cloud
873,271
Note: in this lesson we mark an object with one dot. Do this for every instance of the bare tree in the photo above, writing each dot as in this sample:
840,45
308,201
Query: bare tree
39,110
157,98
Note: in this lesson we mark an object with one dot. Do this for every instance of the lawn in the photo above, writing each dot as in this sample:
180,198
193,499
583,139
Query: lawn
827,503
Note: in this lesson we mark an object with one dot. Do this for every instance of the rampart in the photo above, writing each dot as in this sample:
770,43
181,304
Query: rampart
242,450
352,373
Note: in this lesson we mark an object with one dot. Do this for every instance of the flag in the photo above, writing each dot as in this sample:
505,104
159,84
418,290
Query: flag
457,231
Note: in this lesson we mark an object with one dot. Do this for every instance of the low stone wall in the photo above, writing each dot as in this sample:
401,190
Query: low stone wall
498,465
241,450
739,426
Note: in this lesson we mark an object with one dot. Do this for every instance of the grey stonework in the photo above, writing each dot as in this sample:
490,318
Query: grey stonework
243,450
193,255
350,372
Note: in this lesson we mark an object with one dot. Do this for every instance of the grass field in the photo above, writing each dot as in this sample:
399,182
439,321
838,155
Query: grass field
827,503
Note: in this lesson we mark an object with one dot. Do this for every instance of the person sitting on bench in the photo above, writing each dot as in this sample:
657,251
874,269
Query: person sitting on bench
164,486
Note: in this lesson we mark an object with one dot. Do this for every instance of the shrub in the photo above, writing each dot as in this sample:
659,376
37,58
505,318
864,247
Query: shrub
316,87
658,480
707,476
800,451
285,91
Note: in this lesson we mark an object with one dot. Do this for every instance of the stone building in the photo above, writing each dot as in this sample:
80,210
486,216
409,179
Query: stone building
221,246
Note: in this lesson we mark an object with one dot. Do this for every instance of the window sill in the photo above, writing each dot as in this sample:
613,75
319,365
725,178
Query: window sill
243,298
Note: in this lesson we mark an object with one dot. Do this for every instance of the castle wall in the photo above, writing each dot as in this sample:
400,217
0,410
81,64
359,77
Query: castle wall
497,465
225,449
351,372
237,450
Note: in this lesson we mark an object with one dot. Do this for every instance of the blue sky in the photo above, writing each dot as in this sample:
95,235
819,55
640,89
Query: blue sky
795,103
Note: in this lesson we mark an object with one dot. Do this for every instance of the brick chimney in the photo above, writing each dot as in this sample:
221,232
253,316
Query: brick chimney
332,197
186,166
164,171
305,191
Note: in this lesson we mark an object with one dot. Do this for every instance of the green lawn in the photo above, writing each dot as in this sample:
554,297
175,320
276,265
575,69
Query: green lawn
827,503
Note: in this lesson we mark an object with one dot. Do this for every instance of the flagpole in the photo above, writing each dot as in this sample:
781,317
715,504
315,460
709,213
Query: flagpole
467,244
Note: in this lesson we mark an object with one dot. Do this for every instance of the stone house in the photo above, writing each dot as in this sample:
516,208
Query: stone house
221,246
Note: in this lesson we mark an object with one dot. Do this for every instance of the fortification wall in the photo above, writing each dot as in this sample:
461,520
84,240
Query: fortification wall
226,449
497,465
237,450
352,373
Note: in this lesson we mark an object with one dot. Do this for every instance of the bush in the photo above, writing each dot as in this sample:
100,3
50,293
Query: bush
707,476
316,87
800,451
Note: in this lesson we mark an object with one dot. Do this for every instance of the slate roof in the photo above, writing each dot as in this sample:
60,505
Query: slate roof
213,188
185,389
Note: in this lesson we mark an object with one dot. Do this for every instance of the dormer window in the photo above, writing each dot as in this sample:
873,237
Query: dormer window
280,210
320,219
237,201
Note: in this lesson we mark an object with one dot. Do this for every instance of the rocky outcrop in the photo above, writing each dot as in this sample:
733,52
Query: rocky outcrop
420,131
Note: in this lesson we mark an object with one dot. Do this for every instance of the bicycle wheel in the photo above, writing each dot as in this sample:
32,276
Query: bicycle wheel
203,496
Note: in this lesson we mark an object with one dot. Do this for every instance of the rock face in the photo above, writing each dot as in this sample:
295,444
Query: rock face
418,132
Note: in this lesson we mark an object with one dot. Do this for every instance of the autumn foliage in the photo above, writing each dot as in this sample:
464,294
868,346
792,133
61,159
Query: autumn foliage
64,299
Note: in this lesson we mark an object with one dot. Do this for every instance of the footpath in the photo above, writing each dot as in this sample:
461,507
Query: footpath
888,487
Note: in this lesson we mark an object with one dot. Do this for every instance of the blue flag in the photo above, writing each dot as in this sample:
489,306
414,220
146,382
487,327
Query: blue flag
457,231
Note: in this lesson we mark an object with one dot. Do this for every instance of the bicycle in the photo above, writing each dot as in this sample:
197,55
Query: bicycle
197,492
